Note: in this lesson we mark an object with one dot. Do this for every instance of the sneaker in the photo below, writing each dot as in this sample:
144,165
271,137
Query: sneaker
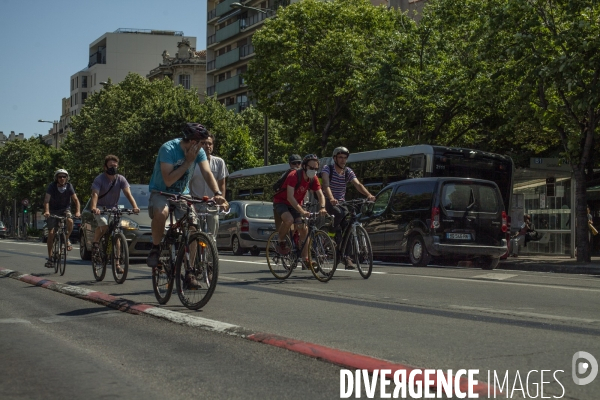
191,281
282,248
152,260
348,262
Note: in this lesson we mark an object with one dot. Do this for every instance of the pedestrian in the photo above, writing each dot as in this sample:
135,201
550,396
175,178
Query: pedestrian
521,234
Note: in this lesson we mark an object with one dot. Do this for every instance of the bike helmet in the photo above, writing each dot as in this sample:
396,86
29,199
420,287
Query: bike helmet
340,150
308,158
61,171
194,131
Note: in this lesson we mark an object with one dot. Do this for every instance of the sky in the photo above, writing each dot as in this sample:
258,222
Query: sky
44,42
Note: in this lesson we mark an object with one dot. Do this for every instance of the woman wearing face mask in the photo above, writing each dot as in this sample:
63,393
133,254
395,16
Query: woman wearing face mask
288,201
106,191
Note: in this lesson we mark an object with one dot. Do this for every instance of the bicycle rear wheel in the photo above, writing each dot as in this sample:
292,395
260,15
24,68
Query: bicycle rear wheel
281,266
362,253
200,263
63,254
99,260
321,256
56,252
163,276
122,256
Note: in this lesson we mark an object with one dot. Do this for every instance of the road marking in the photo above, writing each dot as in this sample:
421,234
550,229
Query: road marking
14,321
64,318
190,320
497,277
527,314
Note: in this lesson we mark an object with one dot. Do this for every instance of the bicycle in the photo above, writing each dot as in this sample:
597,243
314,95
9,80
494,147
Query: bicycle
203,211
321,255
111,240
355,239
183,245
59,245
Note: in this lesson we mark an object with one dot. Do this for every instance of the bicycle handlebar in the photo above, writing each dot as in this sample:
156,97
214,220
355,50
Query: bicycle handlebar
56,216
115,210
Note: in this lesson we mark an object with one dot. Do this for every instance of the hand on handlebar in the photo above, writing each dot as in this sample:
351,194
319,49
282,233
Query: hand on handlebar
334,202
371,198
323,212
136,210
96,211
46,214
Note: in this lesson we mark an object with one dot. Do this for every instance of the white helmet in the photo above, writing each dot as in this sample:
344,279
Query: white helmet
61,171
340,150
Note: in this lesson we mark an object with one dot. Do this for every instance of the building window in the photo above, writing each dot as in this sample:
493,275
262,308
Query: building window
72,84
184,80
83,97
84,81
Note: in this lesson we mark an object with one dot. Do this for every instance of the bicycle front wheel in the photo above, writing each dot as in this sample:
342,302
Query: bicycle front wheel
163,276
197,271
120,257
321,256
281,266
63,254
99,260
362,253
56,252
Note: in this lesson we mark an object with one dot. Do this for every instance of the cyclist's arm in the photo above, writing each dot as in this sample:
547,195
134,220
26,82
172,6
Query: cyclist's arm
94,200
360,187
210,181
170,174
127,193
325,185
77,205
292,200
47,204
221,184
321,200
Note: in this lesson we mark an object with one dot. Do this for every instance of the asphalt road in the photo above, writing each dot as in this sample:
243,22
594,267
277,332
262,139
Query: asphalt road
440,318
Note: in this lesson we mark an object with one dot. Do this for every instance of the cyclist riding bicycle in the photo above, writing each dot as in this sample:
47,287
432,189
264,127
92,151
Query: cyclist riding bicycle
57,201
172,172
110,184
335,178
287,202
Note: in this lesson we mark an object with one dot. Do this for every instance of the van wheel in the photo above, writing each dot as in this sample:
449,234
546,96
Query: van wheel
235,247
488,262
419,256
84,253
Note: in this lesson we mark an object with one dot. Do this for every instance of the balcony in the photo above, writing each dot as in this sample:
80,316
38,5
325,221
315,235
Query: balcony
212,39
246,50
228,85
227,32
253,20
223,7
227,58
210,90
210,65
212,14
98,57
238,107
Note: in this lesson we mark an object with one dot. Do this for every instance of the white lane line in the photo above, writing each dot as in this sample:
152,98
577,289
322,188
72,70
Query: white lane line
497,277
14,321
527,314
64,318
190,320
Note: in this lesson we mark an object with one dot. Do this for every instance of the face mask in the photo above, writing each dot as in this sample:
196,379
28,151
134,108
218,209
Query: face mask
311,173
111,170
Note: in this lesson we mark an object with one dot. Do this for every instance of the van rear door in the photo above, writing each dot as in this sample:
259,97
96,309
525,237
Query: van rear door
471,212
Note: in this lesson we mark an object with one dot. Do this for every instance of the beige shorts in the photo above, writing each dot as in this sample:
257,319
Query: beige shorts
101,220
157,203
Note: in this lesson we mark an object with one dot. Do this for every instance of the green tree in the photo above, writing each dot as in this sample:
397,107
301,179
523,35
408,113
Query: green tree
311,61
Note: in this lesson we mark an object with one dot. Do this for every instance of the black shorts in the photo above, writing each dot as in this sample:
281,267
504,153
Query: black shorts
52,223
281,208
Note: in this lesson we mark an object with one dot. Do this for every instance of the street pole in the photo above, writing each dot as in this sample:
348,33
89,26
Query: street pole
266,141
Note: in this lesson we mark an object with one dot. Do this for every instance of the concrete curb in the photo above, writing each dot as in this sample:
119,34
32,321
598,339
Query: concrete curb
586,269
334,356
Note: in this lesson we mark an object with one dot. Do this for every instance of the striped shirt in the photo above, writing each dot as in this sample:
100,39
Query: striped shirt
338,182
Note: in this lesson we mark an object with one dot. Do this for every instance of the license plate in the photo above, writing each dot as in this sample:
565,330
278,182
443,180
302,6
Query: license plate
264,232
462,236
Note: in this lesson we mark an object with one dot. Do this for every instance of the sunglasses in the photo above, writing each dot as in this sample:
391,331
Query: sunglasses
62,177
296,162
311,168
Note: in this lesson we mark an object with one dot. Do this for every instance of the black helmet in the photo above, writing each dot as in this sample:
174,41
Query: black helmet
340,150
194,131
294,158
308,158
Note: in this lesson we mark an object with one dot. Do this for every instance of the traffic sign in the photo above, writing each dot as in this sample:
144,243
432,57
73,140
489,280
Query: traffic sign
25,202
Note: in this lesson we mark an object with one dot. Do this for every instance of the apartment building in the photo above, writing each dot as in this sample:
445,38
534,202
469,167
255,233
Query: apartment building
414,8
229,45
187,68
11,137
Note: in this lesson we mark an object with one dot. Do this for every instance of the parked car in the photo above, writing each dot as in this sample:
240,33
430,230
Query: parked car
3,230
74,237
135,227
439,217
247,227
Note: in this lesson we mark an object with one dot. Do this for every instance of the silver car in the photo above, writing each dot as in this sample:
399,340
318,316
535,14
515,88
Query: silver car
135,227
247,227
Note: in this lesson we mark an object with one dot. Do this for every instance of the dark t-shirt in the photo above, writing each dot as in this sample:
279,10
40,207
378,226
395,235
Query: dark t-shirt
59,202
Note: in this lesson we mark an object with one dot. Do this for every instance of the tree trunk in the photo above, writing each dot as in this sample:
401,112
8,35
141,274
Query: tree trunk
582,238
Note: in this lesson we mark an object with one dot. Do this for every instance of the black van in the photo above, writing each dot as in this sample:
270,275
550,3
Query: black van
439,217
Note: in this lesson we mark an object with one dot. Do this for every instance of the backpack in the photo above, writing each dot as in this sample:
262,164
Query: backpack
277,186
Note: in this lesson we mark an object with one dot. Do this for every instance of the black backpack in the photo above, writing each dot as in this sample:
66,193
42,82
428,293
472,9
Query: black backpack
277,186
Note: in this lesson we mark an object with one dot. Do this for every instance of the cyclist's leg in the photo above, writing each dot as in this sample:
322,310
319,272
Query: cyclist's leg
286,222
338,215
51,224
158,210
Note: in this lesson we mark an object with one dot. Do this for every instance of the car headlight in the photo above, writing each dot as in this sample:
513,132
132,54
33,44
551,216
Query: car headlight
129,224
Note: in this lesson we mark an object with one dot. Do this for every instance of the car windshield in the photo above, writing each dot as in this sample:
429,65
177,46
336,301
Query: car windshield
140,194
262,211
